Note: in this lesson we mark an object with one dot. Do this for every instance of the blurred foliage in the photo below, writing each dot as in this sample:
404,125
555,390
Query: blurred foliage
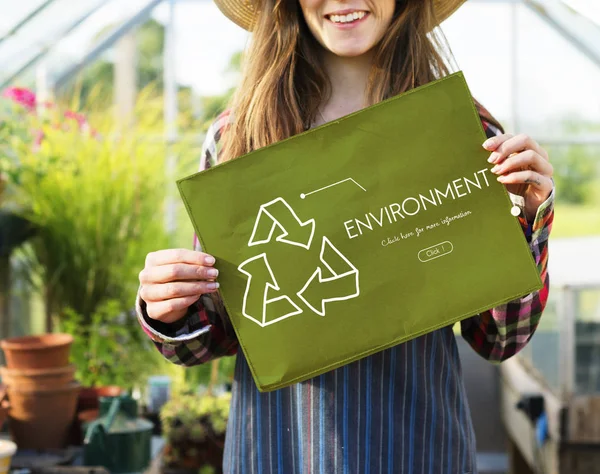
577,178
575,221
96,190
201,374
97,197
212,106
575,172
101,349
14,129
194,430
150,38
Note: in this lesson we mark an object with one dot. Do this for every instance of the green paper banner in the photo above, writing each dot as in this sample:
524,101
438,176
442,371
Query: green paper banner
360,234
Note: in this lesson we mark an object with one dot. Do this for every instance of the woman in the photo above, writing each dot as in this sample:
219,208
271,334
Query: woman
404,409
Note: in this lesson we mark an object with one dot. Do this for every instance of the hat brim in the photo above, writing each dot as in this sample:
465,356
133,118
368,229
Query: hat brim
243,13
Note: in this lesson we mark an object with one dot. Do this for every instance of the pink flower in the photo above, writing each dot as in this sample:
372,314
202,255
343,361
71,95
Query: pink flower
21,96
39,137
79,118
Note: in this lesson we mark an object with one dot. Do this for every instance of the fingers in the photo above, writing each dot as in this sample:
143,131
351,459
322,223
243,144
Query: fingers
176,272
530,177
174,279
528,159
169,311
502,146
178,289
494,142
171,256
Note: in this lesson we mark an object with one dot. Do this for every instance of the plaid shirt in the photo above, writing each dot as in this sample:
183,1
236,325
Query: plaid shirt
401,409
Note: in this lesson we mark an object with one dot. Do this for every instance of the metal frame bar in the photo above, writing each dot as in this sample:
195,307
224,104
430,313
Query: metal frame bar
30,16
514,67
583,140
566,362
111,39
574,34
171,111
49,45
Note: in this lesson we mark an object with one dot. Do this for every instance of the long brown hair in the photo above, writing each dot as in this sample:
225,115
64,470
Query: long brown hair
284,83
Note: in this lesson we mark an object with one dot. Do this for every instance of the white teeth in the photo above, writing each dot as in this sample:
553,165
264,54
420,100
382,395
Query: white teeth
347,18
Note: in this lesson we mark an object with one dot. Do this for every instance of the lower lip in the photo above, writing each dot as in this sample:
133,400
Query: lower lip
347,26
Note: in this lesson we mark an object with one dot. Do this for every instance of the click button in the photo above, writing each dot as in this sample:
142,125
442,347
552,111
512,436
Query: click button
435,251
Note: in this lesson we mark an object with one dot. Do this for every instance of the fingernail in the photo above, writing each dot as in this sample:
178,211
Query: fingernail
495,169
209,260
492,158
500,178
213,285
213,272
489,143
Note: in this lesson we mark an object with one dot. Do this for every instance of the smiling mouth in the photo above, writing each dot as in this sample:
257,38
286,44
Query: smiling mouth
347,17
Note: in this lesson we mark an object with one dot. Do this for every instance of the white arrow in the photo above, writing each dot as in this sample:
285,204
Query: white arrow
339,281
262,285
292,223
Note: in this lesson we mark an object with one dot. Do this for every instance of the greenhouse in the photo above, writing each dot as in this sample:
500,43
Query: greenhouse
106,104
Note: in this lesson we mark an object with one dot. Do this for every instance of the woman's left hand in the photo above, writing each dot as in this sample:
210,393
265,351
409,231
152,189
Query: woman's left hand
523,166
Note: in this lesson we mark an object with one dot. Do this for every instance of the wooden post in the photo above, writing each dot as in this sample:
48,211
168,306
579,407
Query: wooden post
214,376
516,461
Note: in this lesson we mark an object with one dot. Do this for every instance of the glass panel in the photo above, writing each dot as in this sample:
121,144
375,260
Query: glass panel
69,49
586,8
555,99
482,50
40,33
546,98
587,342
577,178
543,351
17,12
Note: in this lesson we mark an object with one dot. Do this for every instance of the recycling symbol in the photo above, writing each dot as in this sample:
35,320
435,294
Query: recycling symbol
334,276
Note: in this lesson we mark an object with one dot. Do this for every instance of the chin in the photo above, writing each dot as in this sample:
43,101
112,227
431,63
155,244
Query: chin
349,51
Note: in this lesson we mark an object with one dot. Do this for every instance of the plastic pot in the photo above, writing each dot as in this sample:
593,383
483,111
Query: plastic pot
41,418
37,352
43,378
7,451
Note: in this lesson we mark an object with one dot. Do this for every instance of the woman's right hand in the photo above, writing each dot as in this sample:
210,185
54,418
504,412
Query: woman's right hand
172,280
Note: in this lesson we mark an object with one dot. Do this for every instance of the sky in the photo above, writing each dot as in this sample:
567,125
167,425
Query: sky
554,79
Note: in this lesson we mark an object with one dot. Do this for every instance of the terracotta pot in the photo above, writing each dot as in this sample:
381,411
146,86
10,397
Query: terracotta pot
89,397
41,418
37,352
32,378
4,406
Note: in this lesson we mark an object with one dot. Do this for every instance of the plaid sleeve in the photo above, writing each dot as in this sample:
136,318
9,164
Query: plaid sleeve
501,332
205,333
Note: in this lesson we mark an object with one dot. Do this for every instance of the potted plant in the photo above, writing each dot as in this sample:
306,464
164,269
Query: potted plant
111,356
96,198
194,429
14,229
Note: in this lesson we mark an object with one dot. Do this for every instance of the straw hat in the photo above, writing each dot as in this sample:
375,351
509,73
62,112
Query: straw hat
243,12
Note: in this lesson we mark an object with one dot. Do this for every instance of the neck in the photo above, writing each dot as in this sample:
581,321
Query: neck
348,76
